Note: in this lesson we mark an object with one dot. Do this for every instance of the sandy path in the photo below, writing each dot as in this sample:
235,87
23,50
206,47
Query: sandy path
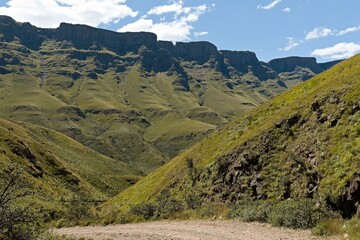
187,230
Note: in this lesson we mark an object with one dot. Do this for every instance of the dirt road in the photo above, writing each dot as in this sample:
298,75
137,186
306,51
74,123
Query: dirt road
187,230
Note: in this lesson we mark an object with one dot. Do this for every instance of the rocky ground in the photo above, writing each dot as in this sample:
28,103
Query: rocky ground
187,230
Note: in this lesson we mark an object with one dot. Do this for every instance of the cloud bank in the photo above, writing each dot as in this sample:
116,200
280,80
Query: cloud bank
339,51
343,50
50,13
178,28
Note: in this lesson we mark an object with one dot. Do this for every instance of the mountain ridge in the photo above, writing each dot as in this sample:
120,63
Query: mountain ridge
127,95
83,37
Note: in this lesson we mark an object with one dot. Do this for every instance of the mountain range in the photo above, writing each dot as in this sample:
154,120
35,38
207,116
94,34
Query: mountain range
129,96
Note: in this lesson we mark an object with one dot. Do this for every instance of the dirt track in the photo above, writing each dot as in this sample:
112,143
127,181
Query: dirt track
187,230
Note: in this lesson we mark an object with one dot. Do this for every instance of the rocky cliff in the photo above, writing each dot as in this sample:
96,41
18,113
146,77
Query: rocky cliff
245,61
83,37
289,64
159,56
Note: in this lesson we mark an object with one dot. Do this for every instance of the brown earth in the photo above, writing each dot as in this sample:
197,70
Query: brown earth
187,230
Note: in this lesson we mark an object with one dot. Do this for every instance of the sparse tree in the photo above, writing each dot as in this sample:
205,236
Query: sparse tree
16,219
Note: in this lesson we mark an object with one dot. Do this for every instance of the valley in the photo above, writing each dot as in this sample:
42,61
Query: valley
122,128
129,96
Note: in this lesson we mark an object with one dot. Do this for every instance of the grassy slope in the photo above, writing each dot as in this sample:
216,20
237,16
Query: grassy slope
59,168
266,145
130,115
109,103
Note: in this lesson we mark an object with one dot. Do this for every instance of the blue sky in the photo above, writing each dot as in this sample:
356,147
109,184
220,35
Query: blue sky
326,29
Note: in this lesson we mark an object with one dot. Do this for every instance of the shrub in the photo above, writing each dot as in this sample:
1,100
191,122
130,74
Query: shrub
294,214
251,211
193,200
146,210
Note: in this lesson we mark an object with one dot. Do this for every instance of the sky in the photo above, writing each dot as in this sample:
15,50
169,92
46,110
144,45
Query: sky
325,29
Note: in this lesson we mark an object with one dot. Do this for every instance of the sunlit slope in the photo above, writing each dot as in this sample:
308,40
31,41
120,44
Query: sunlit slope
302,144
130,115
129,96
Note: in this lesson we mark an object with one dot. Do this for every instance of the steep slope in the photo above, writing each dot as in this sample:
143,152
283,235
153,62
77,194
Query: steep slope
60,169
304,143
127,95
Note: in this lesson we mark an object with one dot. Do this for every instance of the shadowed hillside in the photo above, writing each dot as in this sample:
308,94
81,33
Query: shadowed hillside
60,169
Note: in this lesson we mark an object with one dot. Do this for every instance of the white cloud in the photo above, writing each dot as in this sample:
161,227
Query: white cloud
319,32
287,10
159,10
270,5
199,34
178,28
349,30
50,13
292,43
339,51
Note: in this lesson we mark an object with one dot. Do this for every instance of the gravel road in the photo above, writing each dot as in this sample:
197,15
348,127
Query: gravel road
187,230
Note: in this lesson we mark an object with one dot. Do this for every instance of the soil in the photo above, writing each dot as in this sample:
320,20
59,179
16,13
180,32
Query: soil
187,230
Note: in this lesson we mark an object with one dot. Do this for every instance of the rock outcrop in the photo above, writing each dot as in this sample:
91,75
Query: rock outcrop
201,52
83,37
29,35
166,45
157,56
245,61
289,64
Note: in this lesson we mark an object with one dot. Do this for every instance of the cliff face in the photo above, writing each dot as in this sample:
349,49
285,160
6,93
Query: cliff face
29,35
201,52
81,36
290,63
84,36
241,60
160,56
245,61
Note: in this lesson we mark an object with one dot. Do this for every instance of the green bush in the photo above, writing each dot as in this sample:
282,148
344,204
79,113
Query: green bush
161,208
146,210
289,213
251,211
294,214
193,200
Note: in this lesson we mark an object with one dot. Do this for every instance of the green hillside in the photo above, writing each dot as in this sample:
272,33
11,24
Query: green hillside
128,96
305,143
60,169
